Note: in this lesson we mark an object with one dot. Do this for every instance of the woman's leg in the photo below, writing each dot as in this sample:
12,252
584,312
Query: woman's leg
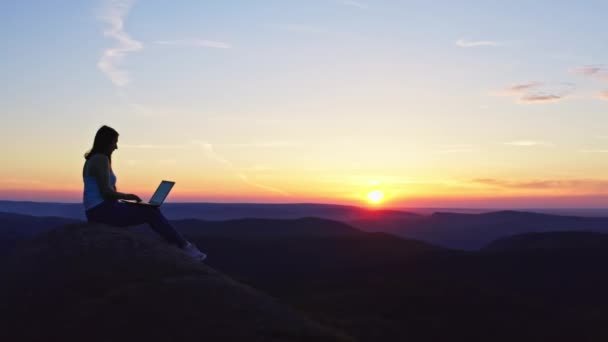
126,214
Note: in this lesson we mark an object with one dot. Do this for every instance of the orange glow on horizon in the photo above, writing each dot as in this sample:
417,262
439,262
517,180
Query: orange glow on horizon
375,197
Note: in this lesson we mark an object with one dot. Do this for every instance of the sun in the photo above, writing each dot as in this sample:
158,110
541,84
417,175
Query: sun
375,196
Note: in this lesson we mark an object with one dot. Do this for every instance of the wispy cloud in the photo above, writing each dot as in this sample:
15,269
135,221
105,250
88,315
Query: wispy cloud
113,15
463,43
546,184
210,153
356,4
540,98
194,42
527,143
536,92
599,71
518,88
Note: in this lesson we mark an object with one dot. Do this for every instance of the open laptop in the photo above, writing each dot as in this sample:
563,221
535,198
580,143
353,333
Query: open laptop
159,195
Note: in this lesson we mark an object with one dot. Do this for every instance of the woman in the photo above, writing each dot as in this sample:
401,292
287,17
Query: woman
101,198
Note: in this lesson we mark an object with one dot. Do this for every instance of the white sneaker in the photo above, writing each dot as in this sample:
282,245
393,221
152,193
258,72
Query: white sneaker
194,252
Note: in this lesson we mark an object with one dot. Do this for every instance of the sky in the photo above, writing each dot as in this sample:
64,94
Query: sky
469,104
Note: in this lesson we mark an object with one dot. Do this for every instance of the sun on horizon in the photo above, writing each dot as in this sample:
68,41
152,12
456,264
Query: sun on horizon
375,196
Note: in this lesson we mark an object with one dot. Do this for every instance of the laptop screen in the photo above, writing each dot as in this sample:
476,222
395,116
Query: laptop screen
162,192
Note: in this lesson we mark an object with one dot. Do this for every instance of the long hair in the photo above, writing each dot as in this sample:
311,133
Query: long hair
103,139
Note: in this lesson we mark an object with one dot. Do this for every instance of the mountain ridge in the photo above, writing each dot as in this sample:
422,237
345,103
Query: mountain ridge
547,241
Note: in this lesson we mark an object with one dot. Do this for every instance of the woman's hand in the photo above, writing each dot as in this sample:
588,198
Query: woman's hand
132,197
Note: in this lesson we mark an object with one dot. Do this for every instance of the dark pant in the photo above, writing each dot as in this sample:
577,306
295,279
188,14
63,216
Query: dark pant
121,214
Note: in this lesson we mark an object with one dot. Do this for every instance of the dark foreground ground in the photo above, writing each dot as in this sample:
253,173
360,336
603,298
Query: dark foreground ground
308,279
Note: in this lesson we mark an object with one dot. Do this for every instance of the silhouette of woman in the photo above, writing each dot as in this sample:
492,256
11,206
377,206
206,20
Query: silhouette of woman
101,198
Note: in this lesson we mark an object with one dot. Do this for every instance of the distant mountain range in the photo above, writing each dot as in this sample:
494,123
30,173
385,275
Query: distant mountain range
216,211
453,230
549,242
226,211
473,231
16,227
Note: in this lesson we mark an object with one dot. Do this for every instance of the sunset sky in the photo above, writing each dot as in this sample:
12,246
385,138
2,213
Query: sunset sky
497,104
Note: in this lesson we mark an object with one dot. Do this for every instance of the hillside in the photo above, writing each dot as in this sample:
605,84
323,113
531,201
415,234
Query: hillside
87,282
473,231
549,241
266,228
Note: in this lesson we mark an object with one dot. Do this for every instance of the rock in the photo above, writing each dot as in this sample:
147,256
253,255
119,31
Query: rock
90,282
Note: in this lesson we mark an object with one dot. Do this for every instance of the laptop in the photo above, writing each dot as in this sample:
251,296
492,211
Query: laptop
159,195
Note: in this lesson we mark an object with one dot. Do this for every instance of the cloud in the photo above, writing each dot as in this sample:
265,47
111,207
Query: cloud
468,44
352,3
537,92
211,154
599,71
540,98
113,15
544,184
527,143
194,42
518,88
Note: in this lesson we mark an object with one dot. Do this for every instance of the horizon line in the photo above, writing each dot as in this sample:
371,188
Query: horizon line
371,207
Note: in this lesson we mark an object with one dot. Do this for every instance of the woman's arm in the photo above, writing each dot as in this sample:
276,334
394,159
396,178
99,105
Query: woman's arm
100,169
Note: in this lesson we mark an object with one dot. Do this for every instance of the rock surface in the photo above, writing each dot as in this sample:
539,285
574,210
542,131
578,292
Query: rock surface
91,282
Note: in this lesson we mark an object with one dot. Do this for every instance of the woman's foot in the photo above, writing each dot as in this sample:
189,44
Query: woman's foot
194,252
